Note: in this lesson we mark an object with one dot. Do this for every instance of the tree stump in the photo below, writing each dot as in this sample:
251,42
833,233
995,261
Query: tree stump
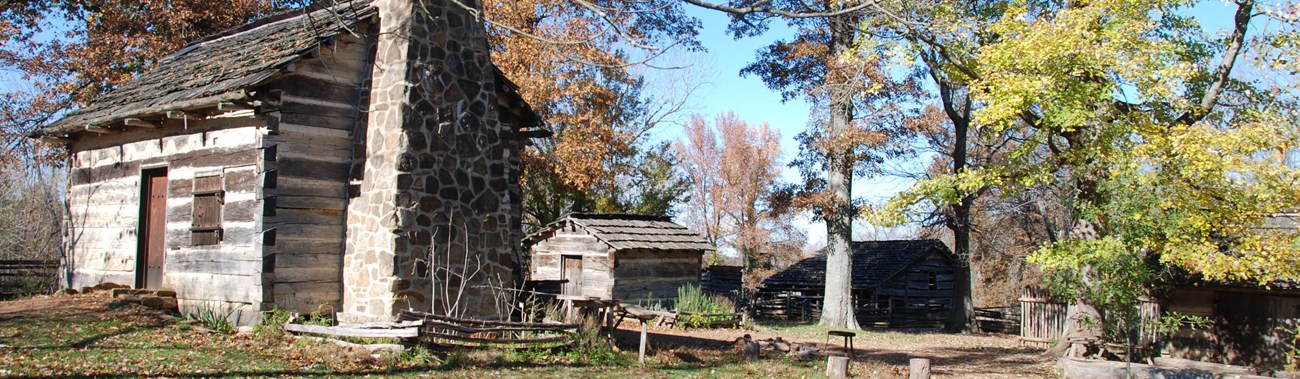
837,367
918,368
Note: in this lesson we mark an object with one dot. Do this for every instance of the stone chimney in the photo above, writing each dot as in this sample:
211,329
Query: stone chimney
430,226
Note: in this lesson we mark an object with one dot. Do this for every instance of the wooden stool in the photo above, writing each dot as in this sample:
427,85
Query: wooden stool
848,340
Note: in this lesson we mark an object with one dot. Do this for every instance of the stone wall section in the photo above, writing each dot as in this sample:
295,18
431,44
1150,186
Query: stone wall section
431,227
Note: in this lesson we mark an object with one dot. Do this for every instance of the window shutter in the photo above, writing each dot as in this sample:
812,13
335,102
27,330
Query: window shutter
205,228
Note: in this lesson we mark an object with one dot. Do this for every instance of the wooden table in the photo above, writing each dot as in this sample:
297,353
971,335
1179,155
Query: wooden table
645,316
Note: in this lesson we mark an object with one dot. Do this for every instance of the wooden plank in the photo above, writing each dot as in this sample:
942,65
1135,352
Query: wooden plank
297,287
305,216
215,287
286,247
650,269
202,262
320,88
343,331
310,202
308,274
307,230
320,121
315,186
311,168
241,211
215,159
338,112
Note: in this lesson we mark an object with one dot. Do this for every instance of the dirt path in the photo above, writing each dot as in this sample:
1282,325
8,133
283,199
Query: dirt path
44,306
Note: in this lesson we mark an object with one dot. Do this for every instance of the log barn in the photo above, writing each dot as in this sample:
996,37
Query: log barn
315,160
627,258
903,284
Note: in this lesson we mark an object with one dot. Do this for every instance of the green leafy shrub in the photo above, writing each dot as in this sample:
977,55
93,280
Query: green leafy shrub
272,323
213,316
590,346
419,355
691,299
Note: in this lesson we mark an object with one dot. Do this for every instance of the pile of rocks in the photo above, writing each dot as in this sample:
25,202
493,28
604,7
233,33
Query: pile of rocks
162,299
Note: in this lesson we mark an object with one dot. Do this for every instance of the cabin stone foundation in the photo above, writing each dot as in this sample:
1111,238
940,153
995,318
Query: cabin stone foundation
431,227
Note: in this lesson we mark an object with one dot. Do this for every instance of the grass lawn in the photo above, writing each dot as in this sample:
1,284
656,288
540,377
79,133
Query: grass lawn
89,336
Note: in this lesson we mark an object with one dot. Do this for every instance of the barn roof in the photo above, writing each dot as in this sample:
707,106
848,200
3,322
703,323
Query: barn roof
224,66
625,232
873,263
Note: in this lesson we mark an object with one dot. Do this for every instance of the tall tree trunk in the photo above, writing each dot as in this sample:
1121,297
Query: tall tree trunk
837,306
963,305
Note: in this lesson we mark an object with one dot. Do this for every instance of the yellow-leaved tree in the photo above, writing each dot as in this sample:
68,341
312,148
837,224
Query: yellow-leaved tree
1177,152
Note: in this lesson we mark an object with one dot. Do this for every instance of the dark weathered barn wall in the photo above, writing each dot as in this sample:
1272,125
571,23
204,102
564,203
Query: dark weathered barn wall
722,281
903,284
319,122
920,297
1250,327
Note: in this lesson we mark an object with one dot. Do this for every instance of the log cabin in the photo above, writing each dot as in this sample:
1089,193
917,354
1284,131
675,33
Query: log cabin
614,257
327,159
902,284
1252,324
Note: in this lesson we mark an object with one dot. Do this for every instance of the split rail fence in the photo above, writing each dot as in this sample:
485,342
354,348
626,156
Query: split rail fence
26,277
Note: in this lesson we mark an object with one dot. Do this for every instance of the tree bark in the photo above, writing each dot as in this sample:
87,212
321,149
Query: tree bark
963,305
837,305
958,215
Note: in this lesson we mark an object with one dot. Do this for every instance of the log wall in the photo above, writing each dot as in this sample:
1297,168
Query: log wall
317,111
654,276
547,261
103,212
920,296
628,275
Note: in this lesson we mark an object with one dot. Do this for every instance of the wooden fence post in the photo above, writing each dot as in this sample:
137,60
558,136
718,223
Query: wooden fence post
643,342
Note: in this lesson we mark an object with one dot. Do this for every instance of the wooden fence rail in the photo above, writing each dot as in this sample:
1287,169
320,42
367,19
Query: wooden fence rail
998,319
466,333
25,277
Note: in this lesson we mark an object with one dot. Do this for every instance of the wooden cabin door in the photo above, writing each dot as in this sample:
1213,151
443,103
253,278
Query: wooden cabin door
153,229
572,272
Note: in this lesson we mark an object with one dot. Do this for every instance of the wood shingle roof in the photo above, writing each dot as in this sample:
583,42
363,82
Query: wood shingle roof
626,232
225,67
873,263
219,67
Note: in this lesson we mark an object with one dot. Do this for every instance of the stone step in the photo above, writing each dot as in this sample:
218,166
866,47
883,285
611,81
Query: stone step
159,292
151,301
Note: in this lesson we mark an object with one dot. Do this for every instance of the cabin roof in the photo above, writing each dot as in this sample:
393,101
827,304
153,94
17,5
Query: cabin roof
873,263
626,232
223,67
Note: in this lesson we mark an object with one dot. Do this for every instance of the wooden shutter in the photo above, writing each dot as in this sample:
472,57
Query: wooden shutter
205,228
